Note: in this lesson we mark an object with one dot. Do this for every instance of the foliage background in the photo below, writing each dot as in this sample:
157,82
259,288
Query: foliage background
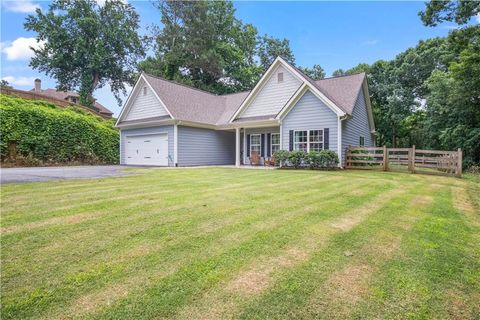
39,133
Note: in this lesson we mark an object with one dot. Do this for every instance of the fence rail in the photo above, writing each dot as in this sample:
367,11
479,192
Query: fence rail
383,158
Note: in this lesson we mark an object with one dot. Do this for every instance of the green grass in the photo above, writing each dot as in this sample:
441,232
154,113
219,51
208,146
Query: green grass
227,243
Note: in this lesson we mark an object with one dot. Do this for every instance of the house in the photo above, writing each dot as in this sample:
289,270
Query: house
68,96
167,124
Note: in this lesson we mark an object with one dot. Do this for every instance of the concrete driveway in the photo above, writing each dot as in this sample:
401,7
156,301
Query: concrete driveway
13,175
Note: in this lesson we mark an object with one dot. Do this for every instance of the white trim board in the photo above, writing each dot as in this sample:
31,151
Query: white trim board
133,93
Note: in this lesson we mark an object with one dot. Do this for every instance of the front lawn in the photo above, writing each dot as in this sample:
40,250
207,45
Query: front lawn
235,243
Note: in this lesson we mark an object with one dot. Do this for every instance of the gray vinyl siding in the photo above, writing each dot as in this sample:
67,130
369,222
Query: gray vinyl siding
144,105
356,126
274,95
248,131
201,147
310,113
151,130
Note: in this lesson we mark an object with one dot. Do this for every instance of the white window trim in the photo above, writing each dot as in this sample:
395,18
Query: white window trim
308,139
259,143
279,144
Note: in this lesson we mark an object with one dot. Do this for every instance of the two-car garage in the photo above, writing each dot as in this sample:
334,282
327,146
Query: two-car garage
148,149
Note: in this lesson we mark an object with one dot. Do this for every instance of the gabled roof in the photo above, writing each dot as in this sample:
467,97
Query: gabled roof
186,103
342,90
63,95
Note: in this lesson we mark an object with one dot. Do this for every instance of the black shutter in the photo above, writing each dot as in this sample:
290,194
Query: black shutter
248,145
290,141
269,144
326,139
262,145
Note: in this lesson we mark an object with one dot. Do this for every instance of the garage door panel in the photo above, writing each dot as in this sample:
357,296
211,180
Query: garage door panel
147,149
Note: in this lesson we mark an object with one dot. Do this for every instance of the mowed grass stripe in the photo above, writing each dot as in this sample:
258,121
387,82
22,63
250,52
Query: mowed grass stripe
177,290
226,299
309,191
438,273
187,189
290,295
170,251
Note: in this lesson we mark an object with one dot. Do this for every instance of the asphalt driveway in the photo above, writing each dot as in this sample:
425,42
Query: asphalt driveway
14,175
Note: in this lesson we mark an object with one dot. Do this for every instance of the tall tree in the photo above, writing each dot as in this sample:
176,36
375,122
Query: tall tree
87,45
203,44
270,48
316,72
449,10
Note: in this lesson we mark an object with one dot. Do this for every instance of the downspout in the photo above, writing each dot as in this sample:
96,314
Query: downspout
175,143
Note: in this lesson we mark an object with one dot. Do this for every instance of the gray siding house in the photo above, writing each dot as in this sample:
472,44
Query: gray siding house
167,124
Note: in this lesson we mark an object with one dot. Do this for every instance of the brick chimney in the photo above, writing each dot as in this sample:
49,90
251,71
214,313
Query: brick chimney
38,85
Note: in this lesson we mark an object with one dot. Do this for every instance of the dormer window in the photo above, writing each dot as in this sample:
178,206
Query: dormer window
74,100
280,77
144,91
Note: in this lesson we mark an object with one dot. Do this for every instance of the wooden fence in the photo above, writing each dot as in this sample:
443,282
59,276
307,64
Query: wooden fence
411,159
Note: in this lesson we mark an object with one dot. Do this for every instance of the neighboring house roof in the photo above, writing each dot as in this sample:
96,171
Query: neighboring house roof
63,95
185,103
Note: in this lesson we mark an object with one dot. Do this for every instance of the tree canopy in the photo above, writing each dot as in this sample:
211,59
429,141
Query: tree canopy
449,10
203,44
87,46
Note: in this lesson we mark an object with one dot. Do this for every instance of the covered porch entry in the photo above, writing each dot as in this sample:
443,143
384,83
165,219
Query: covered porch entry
255,146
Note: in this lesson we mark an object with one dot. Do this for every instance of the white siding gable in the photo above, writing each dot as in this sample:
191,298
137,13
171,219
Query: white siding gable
144,105
274,95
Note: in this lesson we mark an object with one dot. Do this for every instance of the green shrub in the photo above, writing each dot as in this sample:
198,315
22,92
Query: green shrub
46,134
325,159
281,157
297,158
328,159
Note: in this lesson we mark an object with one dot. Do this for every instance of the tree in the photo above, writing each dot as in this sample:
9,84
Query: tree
5,84
316,72
449,10
202,44
87,46
270,48
338,72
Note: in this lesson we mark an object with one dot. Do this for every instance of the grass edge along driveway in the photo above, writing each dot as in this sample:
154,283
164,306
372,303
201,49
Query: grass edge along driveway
230,243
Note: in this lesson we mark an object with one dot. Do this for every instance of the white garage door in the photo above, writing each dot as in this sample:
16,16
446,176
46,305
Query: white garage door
149,149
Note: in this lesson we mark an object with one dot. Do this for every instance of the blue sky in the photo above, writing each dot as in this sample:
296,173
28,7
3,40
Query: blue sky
332,34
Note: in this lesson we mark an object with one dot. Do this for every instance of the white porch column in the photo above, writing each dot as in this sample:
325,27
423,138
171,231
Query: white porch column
237,147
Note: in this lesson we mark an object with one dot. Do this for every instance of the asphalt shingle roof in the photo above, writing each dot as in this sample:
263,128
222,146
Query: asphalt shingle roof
191,104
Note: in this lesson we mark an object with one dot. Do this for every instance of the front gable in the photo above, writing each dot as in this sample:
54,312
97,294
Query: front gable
143,103
276,91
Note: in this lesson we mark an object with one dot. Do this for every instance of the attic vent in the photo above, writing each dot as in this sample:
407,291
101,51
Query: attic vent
144,90
280,77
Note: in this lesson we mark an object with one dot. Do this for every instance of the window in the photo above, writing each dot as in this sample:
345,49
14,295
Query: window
301,140
255,144
144,90
275,143
316,140
280,77
308,140
362,141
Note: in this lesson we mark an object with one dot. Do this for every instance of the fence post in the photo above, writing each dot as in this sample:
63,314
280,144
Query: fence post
412,156
459,162
347,151
385,158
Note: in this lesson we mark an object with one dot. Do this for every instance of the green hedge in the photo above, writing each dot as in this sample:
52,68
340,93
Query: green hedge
325,159
35,132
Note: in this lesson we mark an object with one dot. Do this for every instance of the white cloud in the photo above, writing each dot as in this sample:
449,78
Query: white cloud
369,42
21,6
20,81
478,18
101,3
19,49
